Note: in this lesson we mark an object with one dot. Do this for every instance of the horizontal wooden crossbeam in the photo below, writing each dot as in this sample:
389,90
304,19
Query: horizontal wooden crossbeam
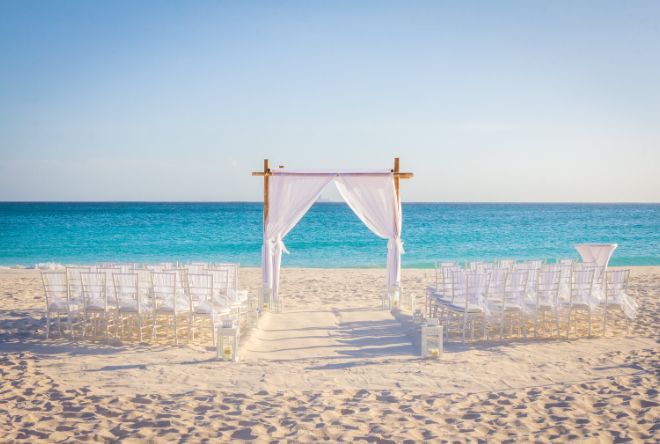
400,175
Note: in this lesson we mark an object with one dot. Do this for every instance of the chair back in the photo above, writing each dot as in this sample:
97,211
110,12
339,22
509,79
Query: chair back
616,283
458,285
534,264
448,280
505,263
200,288
164,290
515,287
232,274
476,286
127,289
74,281
496,284
109,283
56,287
197,267
94,289
220,285
582,284
547,286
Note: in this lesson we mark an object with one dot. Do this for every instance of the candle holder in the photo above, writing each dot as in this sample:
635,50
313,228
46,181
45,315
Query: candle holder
432,340
229,333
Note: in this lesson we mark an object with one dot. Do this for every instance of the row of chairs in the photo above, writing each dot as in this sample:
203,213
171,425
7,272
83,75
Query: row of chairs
511,298
134,296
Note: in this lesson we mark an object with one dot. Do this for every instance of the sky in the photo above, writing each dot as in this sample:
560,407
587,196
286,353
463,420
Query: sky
528,101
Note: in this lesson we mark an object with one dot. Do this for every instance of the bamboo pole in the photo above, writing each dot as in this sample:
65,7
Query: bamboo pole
396,178
266,174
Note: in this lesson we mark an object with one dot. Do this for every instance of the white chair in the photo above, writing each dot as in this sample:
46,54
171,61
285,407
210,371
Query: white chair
56,290
200,292
547,298
167,301
95,301
469,288
75,283
494,294
129,303
616,295
440,299
512,305
438,272
220,287
580,297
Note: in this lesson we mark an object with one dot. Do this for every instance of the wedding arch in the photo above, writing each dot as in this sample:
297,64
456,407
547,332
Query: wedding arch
288,194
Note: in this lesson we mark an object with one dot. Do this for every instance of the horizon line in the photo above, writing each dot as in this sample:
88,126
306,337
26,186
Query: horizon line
332,202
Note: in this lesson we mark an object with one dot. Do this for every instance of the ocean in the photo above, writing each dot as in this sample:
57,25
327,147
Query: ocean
330,235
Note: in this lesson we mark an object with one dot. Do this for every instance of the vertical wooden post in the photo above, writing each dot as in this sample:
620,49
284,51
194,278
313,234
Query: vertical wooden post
396,178
266,171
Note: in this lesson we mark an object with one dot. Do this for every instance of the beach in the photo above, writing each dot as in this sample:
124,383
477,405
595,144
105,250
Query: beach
331,367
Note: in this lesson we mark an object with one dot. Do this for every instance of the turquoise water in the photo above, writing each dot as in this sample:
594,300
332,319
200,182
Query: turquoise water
330,235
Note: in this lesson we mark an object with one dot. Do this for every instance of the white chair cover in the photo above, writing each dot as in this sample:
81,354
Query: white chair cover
598,254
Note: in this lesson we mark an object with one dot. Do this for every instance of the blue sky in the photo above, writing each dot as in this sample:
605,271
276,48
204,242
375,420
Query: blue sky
484,101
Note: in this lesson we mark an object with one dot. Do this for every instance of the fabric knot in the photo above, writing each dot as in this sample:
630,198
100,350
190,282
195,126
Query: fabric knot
396,242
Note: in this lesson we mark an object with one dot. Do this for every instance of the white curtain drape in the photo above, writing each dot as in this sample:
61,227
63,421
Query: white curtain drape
373,199
289,199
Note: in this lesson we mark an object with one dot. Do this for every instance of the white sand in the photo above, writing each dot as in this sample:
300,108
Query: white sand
332,367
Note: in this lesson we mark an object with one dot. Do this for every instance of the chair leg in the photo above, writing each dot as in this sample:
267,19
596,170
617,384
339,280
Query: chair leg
176,332
153,329
106,323
502,326
70,325
47,324
59,324
139,325
213,330
191,326
536,323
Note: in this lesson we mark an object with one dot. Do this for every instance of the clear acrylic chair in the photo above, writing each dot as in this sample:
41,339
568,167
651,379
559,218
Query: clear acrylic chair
58,303
547,299
580,298
470,288
512,307
200,292
95,301
130,305
616,296
75,283
220,287
168,301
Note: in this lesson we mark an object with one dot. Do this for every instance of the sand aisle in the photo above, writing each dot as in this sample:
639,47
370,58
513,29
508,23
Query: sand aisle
343,335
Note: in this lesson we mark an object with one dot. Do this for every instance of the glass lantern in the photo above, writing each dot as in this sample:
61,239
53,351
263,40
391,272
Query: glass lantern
432,341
